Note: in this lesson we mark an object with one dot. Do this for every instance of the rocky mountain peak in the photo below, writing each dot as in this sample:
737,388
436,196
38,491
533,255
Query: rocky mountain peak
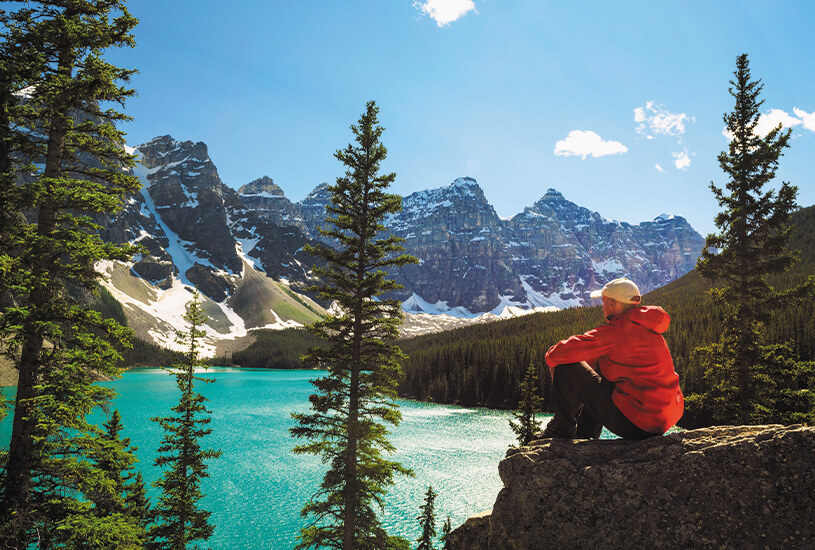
466,187
461,192
165,151
261,186
465,182
554,204
319,195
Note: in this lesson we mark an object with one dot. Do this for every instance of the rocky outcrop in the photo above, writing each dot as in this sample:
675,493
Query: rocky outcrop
719,487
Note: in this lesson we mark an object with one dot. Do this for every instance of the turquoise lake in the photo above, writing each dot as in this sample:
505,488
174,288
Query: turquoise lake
258,486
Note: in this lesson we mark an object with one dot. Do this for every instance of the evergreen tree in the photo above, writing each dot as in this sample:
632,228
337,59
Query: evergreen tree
743,374
116,460
61,162
529,403
128,496
180,520
427,520
445,531
360,354
137,505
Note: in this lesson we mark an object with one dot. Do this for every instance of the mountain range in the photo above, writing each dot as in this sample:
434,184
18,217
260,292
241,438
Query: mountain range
243,250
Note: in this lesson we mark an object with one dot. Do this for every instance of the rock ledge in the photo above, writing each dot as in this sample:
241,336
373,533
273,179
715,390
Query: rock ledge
724,486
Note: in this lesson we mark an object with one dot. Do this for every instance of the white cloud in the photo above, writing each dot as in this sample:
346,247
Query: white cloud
584,143
807,119
772,118
444,12
659,168
767,122
653,120
681,160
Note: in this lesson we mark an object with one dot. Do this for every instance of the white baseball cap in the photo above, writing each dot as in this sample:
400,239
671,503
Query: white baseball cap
622,290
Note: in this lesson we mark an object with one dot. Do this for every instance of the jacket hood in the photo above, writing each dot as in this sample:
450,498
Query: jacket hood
651,317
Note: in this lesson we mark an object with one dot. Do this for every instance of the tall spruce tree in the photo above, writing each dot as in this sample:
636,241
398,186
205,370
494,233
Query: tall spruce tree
749,381
427,520
360,354
180,522
529,403
62,161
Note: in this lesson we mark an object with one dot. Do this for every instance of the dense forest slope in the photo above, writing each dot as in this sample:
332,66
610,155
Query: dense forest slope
481,365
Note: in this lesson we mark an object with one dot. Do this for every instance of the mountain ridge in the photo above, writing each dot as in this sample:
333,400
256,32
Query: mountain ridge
200,233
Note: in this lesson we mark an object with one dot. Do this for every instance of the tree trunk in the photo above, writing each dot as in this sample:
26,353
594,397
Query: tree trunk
21,447
17,489
351,497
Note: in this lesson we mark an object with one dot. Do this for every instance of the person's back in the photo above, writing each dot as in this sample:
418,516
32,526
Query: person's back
620,375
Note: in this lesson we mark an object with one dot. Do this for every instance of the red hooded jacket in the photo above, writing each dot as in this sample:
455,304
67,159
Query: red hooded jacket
631,352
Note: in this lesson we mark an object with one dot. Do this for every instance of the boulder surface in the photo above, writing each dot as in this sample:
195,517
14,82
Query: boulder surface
718,487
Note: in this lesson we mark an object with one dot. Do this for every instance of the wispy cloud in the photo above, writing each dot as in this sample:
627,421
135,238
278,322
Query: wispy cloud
654,120
767,122
444,12
807,119
659,168
587,143
681,160
772,118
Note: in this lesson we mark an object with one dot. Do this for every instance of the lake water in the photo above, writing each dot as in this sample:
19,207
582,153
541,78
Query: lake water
258,486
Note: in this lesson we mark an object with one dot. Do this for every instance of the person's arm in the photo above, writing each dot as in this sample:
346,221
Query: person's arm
582,347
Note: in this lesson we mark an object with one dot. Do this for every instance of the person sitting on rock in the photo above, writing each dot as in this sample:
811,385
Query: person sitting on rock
619,375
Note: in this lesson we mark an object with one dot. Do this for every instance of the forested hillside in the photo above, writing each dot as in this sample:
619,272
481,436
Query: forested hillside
481,365
273,349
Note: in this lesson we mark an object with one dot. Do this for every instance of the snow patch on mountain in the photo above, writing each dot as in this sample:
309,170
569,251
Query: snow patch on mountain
168,308
416,324
552,300
178,249
608,266
417,304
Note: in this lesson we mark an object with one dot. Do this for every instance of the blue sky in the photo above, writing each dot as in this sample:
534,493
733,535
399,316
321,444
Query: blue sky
618,105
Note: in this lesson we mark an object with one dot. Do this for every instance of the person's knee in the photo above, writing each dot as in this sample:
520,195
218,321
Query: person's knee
574,371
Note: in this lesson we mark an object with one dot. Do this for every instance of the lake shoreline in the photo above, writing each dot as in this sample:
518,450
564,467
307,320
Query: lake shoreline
239,367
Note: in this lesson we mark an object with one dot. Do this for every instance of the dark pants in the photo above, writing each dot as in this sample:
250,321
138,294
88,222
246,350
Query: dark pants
583,405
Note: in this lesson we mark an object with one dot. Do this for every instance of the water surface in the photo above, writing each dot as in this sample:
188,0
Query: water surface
257,488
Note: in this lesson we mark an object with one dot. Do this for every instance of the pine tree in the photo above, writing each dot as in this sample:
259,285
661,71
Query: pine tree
116,459
180,520
128,496
446,529
741,371
529,403
360,354
427,520
55,86
137,505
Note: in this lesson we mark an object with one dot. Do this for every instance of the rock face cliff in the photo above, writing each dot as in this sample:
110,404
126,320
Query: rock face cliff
719,487
235,247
